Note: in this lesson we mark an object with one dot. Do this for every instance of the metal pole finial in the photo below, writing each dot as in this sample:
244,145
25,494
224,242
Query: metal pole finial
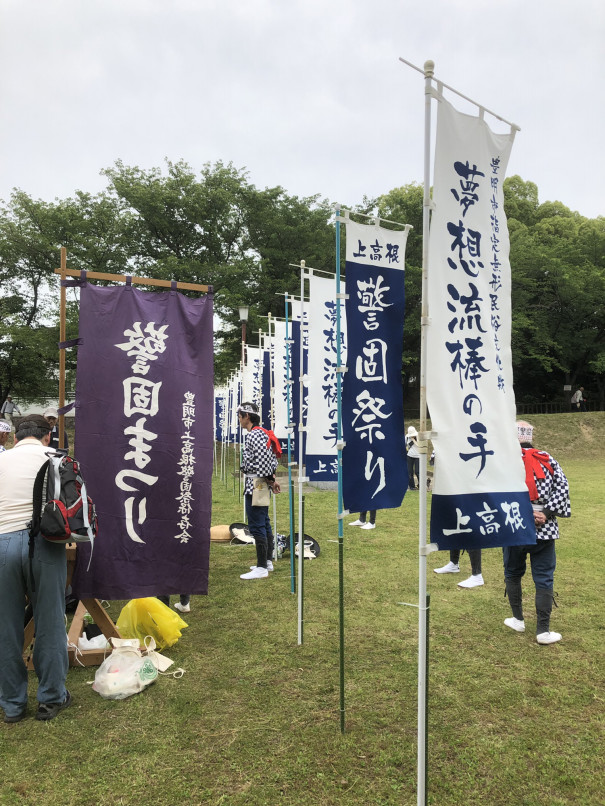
429,68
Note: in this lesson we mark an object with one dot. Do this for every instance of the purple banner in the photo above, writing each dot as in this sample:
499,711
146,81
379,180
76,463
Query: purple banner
144,417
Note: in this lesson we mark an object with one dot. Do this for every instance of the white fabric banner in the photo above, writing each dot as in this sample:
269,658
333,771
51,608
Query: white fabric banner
280,376
321,452
479,494
253,376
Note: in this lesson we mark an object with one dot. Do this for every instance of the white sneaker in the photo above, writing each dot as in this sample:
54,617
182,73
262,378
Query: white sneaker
515,624
369,526
472,582
548,637
269,566
182,608
357,523
255,573
450,568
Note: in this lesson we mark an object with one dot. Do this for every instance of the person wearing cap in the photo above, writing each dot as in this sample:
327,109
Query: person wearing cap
258,461
9,408
5,430
411,446
549,494
42,578
51,415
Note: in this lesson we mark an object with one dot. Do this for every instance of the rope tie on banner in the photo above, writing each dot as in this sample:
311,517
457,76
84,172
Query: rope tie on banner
77,283
173,285
129,280
64,345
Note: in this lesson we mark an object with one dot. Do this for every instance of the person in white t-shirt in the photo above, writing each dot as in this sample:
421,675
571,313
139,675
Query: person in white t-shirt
41,577
411,446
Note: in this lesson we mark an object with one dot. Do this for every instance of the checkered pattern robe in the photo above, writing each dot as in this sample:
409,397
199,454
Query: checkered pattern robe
553,494
257,459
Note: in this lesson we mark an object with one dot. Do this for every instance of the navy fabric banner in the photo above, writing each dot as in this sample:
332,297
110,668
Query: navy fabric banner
373,460
144,438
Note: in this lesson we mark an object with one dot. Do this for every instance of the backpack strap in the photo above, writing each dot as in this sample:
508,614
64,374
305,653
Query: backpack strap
34,524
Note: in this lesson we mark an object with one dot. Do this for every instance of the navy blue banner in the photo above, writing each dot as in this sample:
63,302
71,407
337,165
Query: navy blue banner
374,460
482,520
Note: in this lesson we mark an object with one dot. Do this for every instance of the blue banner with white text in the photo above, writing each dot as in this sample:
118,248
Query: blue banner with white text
374,460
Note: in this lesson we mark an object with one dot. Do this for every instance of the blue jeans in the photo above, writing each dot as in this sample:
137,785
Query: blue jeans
48,601
543,561
260,529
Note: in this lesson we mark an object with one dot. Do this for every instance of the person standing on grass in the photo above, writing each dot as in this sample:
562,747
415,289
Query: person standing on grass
453,567
259,460
413,458
578,402
42,578
361,521
9,408
549,493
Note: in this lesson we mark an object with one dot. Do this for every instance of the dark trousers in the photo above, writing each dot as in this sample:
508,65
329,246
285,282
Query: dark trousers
474,556
185,599
362,516
543,561
413,467
260,529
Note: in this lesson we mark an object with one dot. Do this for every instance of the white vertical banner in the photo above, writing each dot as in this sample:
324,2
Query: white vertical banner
280,376
321,455
253,376
479,494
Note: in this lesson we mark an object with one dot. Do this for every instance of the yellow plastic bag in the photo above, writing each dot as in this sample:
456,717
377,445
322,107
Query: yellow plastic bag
142,617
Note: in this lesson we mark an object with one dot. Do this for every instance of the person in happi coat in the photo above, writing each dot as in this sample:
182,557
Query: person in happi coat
259,461
549,494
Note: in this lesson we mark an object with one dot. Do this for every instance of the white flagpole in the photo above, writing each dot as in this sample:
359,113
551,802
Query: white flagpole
272,393
301,430
423,436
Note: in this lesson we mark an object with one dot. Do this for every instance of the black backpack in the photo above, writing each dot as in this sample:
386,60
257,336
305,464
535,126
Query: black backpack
62,510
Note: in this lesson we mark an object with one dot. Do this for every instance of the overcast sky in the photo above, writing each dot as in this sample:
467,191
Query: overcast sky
305,94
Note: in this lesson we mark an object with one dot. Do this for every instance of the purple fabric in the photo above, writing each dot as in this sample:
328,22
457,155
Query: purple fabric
144,440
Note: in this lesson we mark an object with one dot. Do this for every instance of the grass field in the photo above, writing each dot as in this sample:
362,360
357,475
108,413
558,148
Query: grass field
255,719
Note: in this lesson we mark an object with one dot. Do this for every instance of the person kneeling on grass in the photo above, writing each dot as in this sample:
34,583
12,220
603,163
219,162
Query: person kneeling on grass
259,460
549,494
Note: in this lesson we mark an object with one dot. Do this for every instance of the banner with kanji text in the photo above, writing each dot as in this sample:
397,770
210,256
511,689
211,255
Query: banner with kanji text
479,494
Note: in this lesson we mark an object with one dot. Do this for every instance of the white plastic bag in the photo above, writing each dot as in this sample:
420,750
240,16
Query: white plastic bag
125,672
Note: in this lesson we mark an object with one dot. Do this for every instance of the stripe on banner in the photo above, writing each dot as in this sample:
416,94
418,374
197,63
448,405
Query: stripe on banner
144,422
374,462
321,455
479,494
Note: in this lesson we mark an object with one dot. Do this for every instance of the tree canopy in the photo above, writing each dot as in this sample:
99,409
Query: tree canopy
215,227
